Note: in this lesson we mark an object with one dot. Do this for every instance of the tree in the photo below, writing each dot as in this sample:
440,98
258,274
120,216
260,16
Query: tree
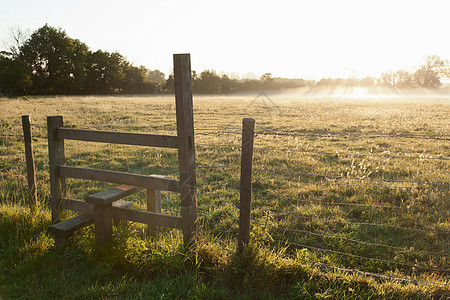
158,78
207,83
15,77
428,75
169,85
15,40
57,62
400,78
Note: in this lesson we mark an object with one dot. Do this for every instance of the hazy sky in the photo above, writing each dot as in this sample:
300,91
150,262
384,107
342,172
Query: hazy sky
301,39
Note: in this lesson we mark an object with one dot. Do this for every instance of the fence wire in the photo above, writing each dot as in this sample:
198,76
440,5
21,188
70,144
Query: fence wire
359,205
361,223
396,249
277,172
325,266
324,152
362,257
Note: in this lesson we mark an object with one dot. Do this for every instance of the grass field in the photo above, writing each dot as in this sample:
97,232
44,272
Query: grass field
361,184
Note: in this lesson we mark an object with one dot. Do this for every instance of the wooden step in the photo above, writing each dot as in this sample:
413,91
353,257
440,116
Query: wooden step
63,230
111,195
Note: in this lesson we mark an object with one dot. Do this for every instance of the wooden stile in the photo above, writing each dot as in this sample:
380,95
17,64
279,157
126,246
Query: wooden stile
102,205
186,147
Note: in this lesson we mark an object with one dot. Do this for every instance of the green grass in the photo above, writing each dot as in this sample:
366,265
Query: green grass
289,207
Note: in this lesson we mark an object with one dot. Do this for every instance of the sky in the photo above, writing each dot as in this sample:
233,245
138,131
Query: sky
295,39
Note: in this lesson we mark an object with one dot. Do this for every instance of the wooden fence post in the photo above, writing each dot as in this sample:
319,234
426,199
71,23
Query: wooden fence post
186,147
248,132
153,205
31,176
55,158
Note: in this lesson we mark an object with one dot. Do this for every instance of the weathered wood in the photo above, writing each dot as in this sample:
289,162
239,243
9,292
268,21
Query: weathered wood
62,230
139,139
153,205
102,224
186,147
77,205
248,131
69,226
31,177
88,208
146,217
56,158
145,181
111,195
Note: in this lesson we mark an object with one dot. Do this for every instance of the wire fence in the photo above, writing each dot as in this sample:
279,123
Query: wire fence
285,233
437,259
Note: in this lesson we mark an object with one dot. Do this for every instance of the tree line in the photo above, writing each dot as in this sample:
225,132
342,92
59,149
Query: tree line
49,62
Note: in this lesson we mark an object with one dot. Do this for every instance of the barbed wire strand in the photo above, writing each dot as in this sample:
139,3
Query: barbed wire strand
363,257
11,135
324,152
11,162
397,249
364,273
354,134
362,223
352,154
357,204
214,131
434,184
275,171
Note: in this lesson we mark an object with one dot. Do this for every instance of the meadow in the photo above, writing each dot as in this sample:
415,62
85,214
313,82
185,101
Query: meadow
360,184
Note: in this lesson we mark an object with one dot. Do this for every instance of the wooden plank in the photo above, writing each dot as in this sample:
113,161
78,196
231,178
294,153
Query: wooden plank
102,224
55,158
113,194
145,181
146,217
139,139
186,147
29,158
248,133
88,208
67,227
77,205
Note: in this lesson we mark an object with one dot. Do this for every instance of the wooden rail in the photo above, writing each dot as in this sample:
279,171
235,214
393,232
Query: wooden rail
146,181
137,139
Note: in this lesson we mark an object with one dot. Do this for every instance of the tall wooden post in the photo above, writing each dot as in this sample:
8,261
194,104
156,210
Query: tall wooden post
186,147
248,132
31,177
56,157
